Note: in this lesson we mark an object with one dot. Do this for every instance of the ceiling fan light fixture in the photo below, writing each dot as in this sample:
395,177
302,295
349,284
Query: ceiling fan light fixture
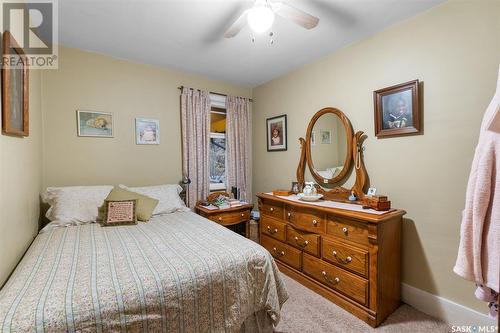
260,18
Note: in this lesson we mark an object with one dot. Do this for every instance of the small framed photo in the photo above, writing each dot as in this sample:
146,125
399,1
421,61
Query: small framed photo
94,124
120,212
371,192
326,137
276,133
147,131
397,110
296,188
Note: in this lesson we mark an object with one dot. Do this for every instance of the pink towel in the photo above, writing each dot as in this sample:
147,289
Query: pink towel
479,252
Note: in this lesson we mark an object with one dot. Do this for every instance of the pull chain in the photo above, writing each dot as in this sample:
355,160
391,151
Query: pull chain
358,157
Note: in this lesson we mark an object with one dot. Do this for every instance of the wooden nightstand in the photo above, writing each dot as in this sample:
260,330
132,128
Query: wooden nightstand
229,217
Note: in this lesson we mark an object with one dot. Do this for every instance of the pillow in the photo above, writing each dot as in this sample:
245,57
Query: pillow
167,195
119,212
74,204
145,205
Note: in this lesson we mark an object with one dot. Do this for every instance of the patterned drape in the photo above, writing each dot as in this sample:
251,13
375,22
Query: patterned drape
239,146
195,122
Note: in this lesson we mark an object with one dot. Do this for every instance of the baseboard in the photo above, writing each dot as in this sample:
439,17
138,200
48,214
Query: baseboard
444,309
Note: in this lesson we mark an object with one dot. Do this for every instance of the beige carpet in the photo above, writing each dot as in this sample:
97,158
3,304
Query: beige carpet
305,311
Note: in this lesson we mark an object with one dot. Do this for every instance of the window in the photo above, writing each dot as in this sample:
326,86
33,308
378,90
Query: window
217,163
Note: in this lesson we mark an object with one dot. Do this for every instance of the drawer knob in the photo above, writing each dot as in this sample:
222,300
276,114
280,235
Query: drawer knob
334,281
344,230
289,214
220,218
242,215
304,244
271,209
343,261
315,222
272,231
279,253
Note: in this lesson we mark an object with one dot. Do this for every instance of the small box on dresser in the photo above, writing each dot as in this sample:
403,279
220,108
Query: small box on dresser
352,258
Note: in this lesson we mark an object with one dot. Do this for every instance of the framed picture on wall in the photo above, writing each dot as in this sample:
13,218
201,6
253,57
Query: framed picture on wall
147,131
326,137
15,88
94,124
276,133
397,110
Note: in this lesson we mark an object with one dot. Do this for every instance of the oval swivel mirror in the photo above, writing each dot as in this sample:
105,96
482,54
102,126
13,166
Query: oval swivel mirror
329,151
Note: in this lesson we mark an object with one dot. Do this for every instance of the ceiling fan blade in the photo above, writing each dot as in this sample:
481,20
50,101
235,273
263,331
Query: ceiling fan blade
296,15
236,27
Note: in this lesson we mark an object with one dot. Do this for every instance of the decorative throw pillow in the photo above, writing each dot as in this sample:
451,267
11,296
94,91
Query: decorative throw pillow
167,195
145,205
119,212
74,204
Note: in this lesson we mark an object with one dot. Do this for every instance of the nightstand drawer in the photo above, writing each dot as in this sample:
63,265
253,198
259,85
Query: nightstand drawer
303,240
230,218
273,228
283,252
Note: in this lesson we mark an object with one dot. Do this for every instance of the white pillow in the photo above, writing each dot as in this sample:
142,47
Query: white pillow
73,205
167,195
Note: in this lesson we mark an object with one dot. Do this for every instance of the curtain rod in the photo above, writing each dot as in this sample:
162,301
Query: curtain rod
214,93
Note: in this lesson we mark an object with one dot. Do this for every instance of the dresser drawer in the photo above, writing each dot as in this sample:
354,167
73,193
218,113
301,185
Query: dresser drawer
273,209
273,228
306,219
283,252
346,229
345,256
231,217
336,278
303,240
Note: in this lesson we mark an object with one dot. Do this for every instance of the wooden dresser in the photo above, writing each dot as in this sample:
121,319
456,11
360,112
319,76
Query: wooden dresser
352,258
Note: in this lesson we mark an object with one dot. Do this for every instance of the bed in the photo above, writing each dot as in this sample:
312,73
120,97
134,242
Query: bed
179,272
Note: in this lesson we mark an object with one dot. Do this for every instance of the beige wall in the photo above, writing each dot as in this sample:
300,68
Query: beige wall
20,185
94,82
454,49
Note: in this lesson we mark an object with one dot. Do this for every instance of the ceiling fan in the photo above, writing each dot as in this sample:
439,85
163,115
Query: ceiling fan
260,17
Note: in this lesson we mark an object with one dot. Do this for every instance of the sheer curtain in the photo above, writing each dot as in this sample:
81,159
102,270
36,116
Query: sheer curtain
239,146
195,123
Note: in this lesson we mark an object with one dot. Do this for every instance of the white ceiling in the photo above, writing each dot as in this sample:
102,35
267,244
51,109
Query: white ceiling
188,34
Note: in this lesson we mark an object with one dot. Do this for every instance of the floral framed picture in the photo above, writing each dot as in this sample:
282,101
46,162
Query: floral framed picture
94,124
397,110
276,133
147,131
15,89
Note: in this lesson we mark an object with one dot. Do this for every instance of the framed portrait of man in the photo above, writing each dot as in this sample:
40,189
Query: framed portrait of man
397,110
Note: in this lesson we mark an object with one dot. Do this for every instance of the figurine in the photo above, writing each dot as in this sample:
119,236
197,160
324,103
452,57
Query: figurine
352,197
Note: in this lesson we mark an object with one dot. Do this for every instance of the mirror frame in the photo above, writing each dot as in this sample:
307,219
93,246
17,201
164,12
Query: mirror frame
349,152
